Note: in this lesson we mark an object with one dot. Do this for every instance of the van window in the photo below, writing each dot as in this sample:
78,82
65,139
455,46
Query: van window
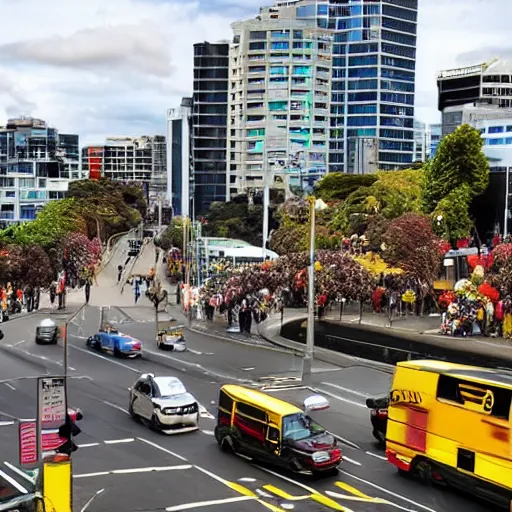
299,426
493,400
225,401
251,411
273,434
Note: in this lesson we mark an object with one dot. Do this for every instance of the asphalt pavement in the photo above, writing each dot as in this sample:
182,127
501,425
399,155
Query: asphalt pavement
130,468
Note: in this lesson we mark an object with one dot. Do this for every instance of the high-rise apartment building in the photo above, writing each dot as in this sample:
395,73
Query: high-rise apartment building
329,83
209,124
36,165
141,159
179,168
279,96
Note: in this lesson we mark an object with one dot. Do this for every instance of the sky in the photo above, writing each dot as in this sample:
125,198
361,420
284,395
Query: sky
112,68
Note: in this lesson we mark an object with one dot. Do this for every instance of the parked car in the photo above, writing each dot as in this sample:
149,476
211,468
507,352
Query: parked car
111,341
164,404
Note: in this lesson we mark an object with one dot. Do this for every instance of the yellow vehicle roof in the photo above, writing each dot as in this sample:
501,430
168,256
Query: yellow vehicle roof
491,376
261,400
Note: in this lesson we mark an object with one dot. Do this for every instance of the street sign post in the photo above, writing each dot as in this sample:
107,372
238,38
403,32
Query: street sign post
28,443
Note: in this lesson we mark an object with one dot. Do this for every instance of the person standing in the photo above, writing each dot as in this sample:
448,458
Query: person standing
87,289
37,297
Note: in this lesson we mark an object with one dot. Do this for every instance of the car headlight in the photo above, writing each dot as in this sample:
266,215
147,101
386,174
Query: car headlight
320,457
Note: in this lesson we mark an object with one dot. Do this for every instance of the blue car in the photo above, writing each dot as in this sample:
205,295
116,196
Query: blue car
110,340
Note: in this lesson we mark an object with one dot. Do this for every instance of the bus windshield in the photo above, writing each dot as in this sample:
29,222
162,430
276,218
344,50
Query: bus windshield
299,426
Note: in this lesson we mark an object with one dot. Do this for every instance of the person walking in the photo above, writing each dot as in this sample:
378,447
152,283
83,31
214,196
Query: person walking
37,297
119,273
136,288
87,289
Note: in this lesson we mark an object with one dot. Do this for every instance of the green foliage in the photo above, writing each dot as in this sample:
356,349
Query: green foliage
459,160
337,186
172,236
234,220
456,222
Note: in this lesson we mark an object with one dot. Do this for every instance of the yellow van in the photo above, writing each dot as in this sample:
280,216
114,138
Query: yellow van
451,424
258,426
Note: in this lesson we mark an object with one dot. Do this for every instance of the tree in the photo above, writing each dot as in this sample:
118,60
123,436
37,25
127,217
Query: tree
413,247
459,160
78,253
337,186
36,267
172,236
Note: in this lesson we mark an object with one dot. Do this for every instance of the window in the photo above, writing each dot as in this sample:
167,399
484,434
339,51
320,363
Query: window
401,26
362,72
398,158
398,63
280,45
322,9
362,109
402,14
258,34
399,38
402,51
371,9
251,411
509,128
280,34
396,86
364,48
369,60
495,142
492,400
302,70
257,46
362,121
259,132
496,129
396,146
298,34
508,140
338,62
363,84
409,4
299,426
306,11
408,99
273,434
396,134
277,105
279,70
396,111
362,96
10,193
362,132
397,75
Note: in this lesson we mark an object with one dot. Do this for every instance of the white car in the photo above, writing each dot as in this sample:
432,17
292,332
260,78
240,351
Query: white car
164,404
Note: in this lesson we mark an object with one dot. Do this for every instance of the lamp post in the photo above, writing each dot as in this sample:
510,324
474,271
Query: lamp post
307,360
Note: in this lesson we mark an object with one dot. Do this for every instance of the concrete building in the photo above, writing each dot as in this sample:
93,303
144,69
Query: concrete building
36,165
279,97
179,167
210,124
141,159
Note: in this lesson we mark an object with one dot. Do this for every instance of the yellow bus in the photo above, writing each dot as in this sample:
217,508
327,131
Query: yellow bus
451,424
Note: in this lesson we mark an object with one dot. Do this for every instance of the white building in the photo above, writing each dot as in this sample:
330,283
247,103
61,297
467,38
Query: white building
179,172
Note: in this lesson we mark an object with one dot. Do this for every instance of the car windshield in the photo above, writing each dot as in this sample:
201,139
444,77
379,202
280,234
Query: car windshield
299,426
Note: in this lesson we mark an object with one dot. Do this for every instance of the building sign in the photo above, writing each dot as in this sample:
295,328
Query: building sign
28,442
51,399
454,73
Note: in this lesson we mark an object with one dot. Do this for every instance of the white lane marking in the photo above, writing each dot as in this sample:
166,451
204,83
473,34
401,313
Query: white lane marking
366,500
263,494
118,407
10,386
381,457
86,506
161,448
282,388
345,441
213,475
197,353
208,432
203,412
340,398
294,482
88,445
246,479
108,360
13,482
6,423
72,369
352,461
17,343
134,470
347,390
118,441
43,358
20,472
200,504
248,369
382,489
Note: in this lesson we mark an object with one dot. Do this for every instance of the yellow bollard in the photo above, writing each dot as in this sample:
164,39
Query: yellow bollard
57,486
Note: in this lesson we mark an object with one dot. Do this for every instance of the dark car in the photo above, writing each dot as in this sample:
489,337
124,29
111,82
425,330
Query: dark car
379,416
47,333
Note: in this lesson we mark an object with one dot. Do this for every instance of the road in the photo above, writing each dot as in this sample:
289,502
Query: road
138,469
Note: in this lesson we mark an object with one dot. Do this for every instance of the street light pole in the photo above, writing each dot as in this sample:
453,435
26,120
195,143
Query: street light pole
307,361
507,187
266,201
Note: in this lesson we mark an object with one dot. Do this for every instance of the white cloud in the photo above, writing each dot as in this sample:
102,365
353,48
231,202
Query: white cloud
100,68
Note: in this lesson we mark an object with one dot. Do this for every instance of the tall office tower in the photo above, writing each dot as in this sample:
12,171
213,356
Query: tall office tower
280,70
178,157
36,165
158,183
209,121
373,75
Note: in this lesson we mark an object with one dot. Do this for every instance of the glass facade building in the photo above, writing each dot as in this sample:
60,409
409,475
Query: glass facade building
373,78
209,124
36,165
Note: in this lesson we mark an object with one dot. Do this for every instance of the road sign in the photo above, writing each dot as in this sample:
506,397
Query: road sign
28,442
51,398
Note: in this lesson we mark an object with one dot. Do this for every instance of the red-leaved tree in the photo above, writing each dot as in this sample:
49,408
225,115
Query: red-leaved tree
501,253
413,247
79,253
36,266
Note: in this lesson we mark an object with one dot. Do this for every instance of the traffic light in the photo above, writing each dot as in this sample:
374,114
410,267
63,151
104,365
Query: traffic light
68,431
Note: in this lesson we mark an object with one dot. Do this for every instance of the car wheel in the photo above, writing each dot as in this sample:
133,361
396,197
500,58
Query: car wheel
226,445
154,424
381,438
38,342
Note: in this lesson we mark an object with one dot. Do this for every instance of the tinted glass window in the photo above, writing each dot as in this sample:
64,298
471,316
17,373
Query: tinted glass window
251,411
225,401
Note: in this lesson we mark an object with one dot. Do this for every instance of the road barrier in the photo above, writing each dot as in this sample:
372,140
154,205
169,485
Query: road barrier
387,345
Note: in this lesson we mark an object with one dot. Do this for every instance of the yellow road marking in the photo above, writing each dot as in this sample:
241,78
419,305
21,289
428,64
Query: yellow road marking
283,494
270,507
359,494
327,502
241,489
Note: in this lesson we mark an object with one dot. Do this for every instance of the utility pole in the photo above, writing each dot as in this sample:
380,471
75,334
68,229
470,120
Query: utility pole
307,361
